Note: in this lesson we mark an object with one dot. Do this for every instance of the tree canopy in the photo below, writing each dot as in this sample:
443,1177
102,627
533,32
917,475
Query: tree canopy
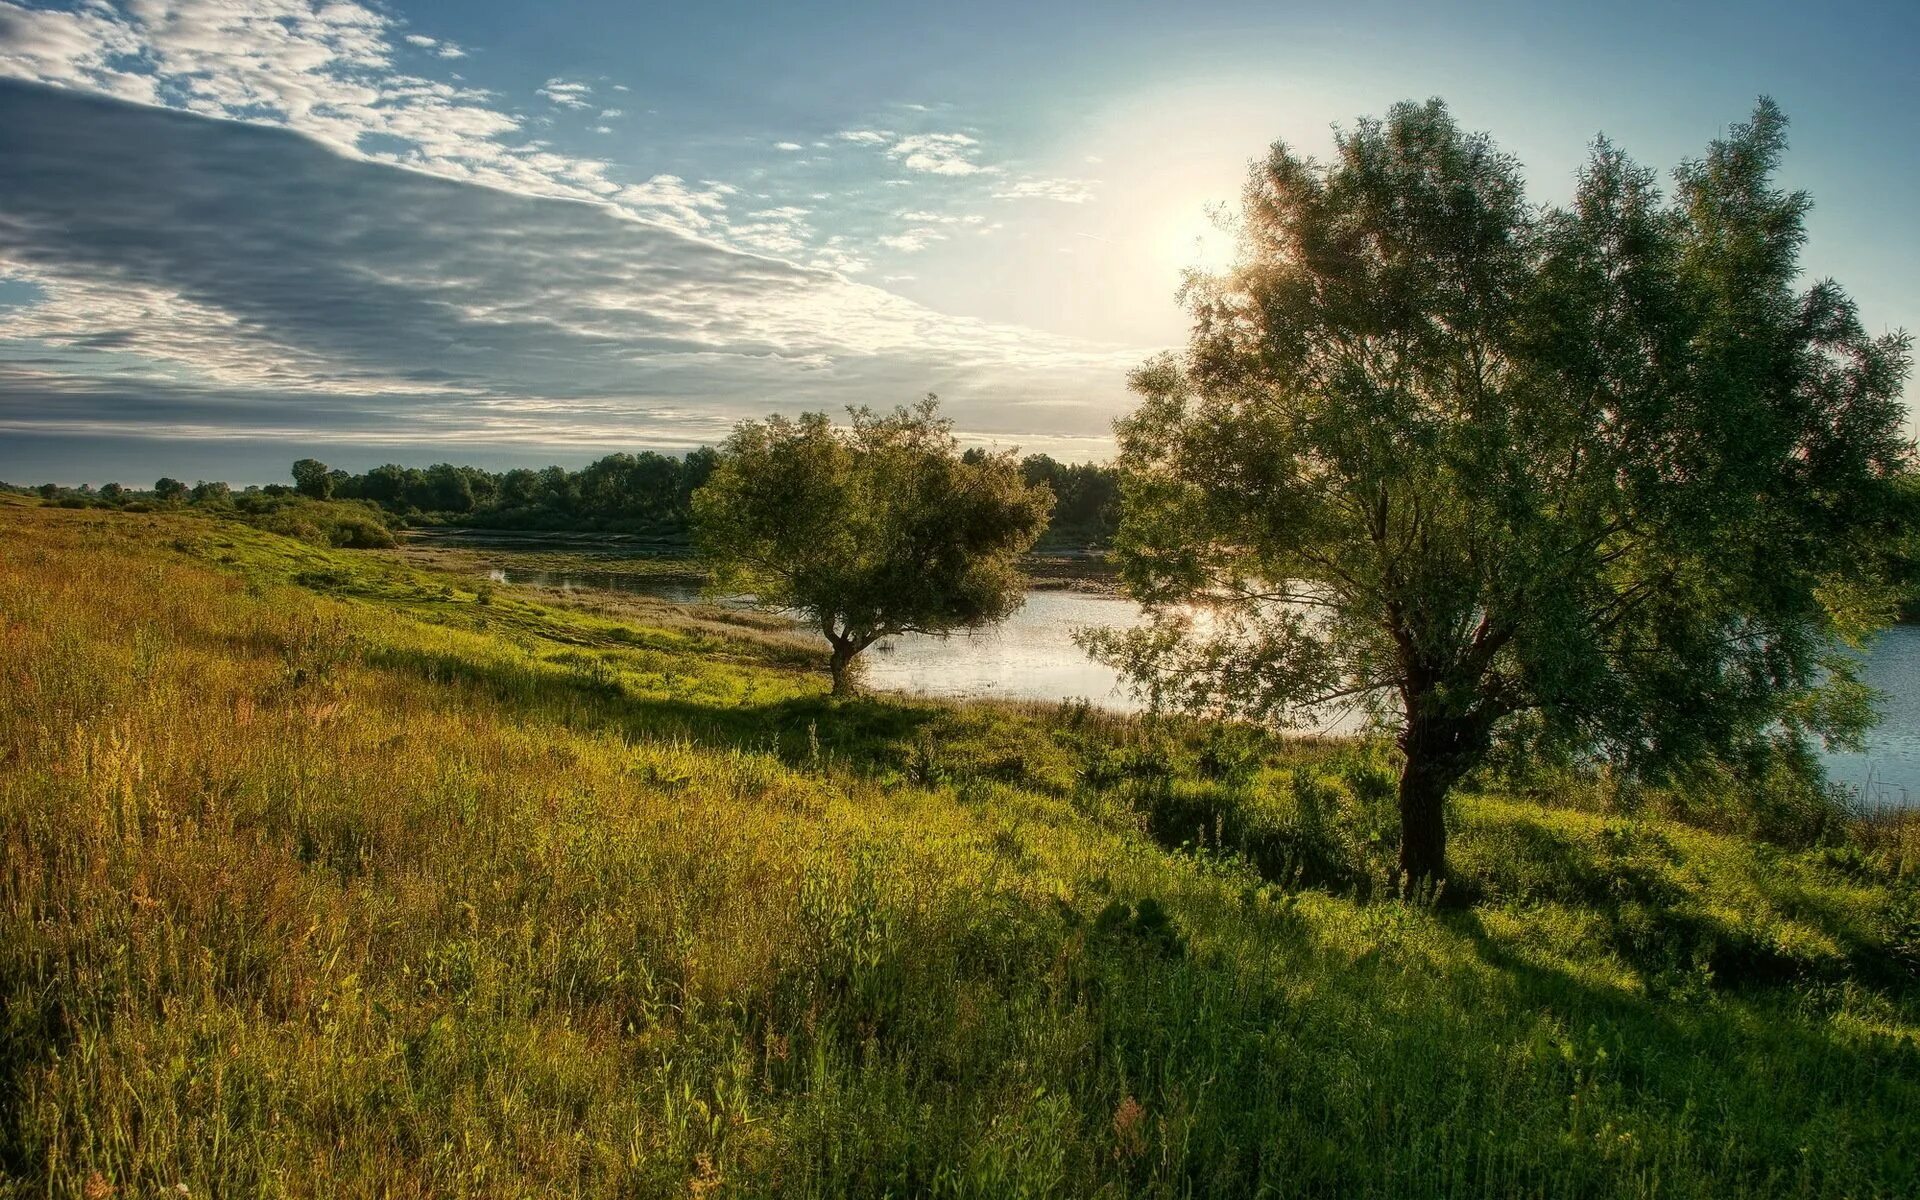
875,528
312,479
1603,478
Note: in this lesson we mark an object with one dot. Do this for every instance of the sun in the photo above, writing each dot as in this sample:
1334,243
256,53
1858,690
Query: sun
1194,238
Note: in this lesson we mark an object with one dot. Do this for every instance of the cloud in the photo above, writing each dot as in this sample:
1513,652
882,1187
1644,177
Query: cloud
217,279
327,69
922,217
323,67
929,153
1065,191
69,48
788,146
938,154
565,94
912,241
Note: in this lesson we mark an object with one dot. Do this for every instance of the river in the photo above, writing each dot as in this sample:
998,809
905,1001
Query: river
1031,656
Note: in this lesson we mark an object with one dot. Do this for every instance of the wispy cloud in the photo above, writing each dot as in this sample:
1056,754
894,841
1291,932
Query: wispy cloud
1065,191
178,297
922,217
934,153
565,94
912,240
939,154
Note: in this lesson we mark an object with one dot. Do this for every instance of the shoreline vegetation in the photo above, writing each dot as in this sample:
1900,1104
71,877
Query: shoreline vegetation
340,872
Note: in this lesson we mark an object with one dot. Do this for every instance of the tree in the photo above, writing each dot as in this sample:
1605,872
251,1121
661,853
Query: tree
169,489
113,493
211,492
385,485
1598,479
312,479
1904,557
519,488
442,487
874,529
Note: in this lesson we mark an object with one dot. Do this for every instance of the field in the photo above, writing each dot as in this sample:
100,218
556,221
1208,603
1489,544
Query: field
330,875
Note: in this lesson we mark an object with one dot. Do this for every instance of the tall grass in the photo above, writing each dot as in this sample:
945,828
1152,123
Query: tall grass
322,877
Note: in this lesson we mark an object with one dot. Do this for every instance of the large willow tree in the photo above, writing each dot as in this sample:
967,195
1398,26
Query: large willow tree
1607,476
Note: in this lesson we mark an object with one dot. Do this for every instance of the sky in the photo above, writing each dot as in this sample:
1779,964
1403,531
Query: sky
236,233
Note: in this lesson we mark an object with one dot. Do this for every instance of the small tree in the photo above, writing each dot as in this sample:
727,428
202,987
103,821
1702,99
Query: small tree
312,479
169,489
1600,478
873,529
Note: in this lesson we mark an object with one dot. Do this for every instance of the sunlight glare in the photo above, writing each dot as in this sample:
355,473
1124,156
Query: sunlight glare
1195,240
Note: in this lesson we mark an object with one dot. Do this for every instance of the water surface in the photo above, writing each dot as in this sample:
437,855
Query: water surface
1887,773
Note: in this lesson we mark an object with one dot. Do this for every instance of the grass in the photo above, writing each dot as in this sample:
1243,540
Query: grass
324,875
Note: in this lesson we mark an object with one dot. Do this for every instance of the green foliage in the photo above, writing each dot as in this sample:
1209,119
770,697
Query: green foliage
1603,477
211,494
645,493
652,494
879,528
1086,500
319,522
1905,565
312,479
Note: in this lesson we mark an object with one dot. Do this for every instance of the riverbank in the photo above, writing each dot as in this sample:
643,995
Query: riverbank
627,557
324,873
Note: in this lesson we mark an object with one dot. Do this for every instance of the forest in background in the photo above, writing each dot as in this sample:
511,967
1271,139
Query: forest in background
646,494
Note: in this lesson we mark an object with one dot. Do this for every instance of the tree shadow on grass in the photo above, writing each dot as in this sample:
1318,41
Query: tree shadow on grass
862,732
1765,1055
1632,877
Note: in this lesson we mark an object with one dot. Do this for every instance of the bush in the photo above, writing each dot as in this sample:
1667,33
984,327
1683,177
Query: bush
350,525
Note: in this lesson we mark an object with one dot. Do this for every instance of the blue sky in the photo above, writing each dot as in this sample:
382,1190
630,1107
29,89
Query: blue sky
235,234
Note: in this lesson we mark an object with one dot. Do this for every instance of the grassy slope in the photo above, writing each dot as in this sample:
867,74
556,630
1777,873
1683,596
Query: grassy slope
323,877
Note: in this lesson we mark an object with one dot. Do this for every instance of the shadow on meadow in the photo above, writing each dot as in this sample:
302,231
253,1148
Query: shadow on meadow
585,691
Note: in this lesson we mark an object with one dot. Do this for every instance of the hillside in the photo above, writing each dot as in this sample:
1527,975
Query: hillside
325,875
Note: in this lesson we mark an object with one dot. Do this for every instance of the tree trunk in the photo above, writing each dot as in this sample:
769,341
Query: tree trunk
1439,750
842,663
1423,823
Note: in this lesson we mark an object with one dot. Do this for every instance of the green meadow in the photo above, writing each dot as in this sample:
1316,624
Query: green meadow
328,874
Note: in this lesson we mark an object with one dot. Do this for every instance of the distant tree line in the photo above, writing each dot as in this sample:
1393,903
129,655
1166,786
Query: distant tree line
645,493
